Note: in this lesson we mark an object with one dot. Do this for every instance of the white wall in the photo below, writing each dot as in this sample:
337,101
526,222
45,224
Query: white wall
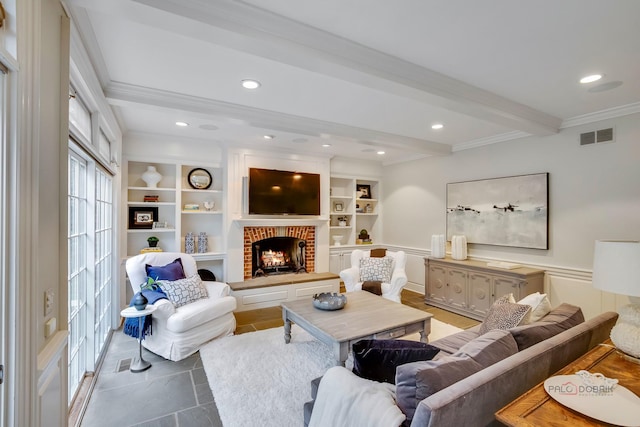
594,193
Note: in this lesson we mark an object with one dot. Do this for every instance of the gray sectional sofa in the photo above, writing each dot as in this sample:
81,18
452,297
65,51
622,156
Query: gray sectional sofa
475,375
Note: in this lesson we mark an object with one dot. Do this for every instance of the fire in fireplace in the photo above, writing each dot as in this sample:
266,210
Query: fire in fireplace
278,255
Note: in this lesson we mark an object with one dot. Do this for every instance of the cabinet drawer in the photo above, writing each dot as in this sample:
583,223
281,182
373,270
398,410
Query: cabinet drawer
393,333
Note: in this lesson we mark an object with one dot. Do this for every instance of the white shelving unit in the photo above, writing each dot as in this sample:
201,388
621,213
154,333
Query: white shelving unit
358,211
174,192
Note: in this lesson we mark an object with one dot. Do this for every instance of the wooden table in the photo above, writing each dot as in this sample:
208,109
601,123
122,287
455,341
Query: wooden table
537,408
365,316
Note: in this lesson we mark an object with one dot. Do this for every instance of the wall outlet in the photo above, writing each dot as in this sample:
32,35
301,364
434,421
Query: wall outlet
48,301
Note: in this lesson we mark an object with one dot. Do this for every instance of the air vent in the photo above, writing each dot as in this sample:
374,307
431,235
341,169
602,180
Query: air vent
598,136
123,365
587,138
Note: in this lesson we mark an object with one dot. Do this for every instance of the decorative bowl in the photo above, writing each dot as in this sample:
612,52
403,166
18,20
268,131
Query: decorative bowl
329,301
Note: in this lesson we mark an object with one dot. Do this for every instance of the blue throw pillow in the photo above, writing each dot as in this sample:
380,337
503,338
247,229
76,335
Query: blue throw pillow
171,271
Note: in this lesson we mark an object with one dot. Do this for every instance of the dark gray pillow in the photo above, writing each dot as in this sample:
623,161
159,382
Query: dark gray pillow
561,318
489,348
418,380
377,360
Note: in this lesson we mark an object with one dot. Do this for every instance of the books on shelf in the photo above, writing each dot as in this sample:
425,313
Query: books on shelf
148,250
191,207
151,198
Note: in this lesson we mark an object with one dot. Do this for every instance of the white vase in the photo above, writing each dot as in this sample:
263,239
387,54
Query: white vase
151,177
437,246
459,247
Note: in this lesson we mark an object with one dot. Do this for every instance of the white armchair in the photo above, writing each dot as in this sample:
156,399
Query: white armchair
179,332
390,290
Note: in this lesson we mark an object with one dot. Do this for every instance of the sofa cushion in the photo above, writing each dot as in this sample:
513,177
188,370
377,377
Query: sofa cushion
559,319
375,269
452,343
171,271
489,348
377,359
418,380
183,291
540,305
505,315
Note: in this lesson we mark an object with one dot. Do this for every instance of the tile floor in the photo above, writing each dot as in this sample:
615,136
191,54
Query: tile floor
177,394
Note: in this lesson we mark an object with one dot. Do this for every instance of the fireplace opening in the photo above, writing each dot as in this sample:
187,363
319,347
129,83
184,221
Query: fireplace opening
278,255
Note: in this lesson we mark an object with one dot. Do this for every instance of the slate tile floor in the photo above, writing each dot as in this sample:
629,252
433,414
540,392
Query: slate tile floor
177,394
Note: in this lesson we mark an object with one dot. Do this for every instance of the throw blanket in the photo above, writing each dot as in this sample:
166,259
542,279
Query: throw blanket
132,324
373,286
346,400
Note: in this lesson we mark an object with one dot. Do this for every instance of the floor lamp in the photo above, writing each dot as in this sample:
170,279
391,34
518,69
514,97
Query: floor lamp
616,269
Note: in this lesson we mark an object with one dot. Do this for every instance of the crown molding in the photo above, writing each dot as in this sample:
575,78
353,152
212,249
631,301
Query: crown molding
610,113
272,36
495,139
124,94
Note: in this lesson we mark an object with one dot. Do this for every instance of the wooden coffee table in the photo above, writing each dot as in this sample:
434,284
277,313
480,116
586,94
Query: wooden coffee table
365,316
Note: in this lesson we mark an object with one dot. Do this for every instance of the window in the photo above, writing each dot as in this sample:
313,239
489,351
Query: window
78,274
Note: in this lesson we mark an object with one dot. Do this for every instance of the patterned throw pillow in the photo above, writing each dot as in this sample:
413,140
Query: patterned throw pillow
184,291
375,269
504,315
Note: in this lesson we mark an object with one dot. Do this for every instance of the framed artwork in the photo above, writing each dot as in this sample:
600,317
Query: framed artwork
510,211
142,217
338,207
364,190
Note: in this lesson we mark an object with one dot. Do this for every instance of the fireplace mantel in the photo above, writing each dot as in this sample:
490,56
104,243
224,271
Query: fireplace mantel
280,222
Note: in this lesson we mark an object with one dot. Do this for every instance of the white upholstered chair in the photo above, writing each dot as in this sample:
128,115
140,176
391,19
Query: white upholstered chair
390,290
180,331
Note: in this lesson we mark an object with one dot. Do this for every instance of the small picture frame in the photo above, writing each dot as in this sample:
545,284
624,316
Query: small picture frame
157,225
142,217
338,207
364,191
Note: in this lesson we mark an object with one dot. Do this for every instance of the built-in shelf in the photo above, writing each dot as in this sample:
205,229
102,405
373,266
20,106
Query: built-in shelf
202,212
152,230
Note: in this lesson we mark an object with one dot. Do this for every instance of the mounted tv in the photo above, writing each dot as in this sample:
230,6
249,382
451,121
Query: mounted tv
276,192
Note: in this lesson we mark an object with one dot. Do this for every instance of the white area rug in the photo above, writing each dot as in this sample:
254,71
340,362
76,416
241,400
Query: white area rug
258,380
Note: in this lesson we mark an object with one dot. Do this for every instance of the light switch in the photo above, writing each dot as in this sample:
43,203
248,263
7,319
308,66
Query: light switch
50,327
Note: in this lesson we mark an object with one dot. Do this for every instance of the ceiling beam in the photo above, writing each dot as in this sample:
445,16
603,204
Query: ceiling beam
126,94
266,34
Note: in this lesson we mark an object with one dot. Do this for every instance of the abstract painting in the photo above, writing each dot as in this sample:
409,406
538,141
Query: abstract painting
509,211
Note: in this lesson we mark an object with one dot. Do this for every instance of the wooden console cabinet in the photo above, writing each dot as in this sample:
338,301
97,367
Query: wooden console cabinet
470,287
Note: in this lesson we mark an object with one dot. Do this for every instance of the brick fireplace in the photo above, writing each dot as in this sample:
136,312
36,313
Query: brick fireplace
256,234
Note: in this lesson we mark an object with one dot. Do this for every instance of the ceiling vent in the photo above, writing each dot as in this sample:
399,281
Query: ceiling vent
597,136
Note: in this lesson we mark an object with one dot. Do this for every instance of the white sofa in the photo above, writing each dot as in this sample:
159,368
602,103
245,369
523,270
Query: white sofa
179,332
391,290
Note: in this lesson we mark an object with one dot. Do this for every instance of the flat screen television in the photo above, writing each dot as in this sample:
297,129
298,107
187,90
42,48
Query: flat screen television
276,192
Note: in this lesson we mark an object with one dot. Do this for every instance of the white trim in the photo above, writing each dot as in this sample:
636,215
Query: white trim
23,221
610,113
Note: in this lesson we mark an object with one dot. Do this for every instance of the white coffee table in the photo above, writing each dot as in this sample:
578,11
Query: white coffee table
365,316
139,364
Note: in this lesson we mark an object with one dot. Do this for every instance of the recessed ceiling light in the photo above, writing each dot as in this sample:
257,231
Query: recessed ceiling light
590,79
381,152
437,126
326,145
182,124
250,84
268,136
